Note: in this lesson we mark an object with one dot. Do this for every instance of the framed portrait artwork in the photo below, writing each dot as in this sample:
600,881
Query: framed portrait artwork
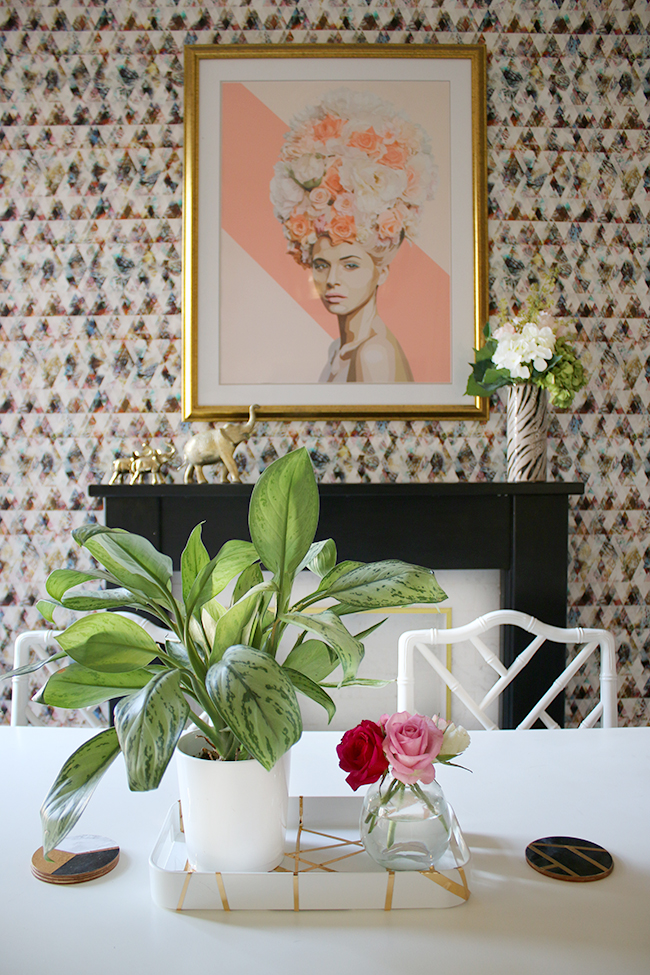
335,230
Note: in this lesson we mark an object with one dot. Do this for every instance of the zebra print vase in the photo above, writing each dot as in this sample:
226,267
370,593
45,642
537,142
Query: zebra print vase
527,433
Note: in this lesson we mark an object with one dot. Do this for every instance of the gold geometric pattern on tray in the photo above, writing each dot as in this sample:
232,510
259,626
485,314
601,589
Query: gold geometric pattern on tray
303,864
306,860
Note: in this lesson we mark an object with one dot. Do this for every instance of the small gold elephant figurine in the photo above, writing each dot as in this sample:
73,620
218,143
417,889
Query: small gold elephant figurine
150,461
121,469
145,461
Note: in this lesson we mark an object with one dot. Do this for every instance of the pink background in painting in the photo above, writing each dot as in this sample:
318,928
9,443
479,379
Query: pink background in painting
415,299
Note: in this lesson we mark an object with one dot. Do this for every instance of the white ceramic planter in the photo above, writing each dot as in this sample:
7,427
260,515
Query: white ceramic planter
234,813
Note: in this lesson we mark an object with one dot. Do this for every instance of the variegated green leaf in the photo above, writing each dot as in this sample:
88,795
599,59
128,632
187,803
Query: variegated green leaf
108,642
209,625
211,613
283,513
230,628
234,625
257,699
377,585
213,608
324,560
312,690
32,667
46,609
232,558
370,629
133,560
78,687
337,572
74,785
92,599
148,726
193,558
332,631
312,658
198,637
360,682
321,557
177,652
252,576
59,581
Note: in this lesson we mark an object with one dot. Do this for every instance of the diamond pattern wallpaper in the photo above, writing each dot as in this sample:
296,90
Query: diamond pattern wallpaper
91,155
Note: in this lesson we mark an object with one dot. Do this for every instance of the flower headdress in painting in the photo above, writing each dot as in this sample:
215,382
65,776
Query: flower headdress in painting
353,168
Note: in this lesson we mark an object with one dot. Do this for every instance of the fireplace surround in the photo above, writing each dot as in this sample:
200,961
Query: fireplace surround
519,528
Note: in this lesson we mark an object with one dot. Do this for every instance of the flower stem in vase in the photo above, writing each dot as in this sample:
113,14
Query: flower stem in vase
423,797
399,792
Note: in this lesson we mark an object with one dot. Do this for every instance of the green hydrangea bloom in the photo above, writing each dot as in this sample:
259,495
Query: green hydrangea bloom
564,375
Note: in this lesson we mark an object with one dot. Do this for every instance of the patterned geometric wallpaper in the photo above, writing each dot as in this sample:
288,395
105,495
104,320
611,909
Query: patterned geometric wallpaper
91,113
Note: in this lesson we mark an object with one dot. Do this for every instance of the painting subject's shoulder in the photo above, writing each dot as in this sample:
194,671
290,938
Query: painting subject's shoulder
375,361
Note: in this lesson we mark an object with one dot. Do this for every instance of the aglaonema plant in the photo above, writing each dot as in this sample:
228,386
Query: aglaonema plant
219,667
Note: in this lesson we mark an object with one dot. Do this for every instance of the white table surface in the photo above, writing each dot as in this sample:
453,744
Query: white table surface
591,784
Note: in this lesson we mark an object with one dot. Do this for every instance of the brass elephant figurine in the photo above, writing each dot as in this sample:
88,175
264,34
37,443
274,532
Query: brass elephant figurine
217,446
145,461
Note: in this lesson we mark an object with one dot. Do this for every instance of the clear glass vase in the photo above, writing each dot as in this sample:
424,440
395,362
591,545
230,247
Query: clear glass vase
406,827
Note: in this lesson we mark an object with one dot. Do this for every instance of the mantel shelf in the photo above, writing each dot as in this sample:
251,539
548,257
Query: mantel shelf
433,490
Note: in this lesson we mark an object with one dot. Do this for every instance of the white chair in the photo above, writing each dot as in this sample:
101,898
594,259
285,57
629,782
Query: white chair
42,644
422,640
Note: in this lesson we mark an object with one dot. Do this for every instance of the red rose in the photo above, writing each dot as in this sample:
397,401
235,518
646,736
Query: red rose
361,753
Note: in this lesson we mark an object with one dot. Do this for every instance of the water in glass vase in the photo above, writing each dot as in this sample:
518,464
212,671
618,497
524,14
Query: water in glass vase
405,827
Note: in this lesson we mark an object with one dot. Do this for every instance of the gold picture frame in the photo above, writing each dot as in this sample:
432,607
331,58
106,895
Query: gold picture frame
254,328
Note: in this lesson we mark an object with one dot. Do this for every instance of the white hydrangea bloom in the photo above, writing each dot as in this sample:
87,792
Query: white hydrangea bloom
375,187
308,169
286,194
520,346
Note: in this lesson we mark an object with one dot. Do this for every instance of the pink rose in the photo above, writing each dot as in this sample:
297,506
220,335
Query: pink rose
341,227
411,745
390,224
368,141
394,156
344,203
361,754
327,128
298,225
319,198
332,179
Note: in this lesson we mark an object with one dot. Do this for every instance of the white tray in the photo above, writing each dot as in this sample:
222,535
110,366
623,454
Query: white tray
325,868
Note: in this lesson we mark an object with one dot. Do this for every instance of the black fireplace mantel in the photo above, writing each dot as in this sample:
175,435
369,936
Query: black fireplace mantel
519,528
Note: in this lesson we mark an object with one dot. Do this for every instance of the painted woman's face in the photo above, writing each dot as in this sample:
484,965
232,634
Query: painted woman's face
345,275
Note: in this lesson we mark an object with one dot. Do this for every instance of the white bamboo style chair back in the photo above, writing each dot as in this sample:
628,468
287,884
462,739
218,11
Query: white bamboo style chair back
42,644
423,640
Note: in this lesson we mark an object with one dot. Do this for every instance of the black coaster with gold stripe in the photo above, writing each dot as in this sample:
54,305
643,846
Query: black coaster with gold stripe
77,859
568,858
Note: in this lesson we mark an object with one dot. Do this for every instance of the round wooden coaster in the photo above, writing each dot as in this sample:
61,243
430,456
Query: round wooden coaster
568,858
76,859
